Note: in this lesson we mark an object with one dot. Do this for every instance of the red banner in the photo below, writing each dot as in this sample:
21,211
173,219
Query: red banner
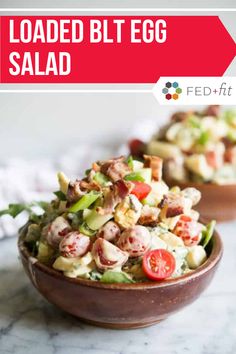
112,49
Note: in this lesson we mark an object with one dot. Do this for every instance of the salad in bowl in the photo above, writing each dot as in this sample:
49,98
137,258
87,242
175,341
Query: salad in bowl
197,147
119,224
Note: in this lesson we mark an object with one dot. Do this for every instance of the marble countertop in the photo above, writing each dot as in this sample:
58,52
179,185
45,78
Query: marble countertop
28,324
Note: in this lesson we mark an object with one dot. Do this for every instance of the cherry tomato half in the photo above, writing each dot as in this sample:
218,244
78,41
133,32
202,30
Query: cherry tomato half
141,190
211,157
158,264
189,230
136,147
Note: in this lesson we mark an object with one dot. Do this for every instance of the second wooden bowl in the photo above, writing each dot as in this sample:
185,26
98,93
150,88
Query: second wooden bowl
218,202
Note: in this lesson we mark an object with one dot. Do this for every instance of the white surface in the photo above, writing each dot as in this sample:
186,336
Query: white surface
48,125
28,324
117,3
33,125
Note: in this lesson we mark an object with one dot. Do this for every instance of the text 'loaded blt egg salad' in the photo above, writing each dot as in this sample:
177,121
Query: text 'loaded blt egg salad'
196,146
119,224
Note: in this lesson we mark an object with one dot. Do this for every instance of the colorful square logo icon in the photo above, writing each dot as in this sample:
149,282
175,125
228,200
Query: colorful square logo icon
172,90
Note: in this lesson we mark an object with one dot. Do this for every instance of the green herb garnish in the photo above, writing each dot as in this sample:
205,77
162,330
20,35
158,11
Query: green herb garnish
60,195
16,209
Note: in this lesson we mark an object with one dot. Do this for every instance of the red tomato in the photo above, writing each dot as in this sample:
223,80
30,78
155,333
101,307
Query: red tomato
189,230
158,264
230,154
213,159
136,147
141,190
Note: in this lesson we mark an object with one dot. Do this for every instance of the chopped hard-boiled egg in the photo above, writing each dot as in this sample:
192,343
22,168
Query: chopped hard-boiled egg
172,240
196,257
198,164
77,266
63,182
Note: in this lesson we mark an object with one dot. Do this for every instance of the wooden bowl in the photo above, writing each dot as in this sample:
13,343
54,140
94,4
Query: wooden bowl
218,202
121,305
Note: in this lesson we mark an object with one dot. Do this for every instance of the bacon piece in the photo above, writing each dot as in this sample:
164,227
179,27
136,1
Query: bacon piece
149,215
174,210
96,167
179,116
88,183
123,188
108,256
174,204
115,169
74,191
155,163
78,188
115,194
213,111
163,201
89,186
230,155
227,142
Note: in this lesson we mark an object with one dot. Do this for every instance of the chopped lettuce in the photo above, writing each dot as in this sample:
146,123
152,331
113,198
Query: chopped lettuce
85,201
76,219
33,233
130,161
94,220
134,176
208,233
60,195
84,229
13,210
100,178
232,134
115,277
95,275
141,175
87,172
45,252
230,116
204,137
194,122
16,209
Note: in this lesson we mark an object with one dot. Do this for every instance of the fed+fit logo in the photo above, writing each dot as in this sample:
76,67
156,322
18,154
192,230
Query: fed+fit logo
172,90
195,90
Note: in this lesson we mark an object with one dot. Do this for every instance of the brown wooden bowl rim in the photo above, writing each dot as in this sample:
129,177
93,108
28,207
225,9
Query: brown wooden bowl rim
198,185
211,262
